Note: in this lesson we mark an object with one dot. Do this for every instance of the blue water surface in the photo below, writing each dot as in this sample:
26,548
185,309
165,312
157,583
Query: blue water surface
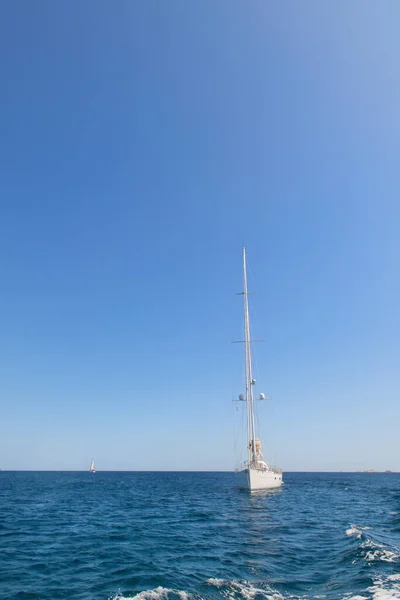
182,536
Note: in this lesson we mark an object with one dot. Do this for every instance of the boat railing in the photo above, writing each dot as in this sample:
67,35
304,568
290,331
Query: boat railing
275,469
245,465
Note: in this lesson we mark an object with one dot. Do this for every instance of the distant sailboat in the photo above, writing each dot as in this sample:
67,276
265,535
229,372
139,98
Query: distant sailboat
255,473
91,468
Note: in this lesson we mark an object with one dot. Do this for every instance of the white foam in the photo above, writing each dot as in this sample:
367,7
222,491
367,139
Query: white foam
354,531
384,589
216,582
244,589
386,595
378,552
157,594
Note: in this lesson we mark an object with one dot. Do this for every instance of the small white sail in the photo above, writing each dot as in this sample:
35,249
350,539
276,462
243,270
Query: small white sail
91,468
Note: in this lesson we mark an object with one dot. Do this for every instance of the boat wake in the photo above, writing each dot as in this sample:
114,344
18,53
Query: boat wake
372,561
231,590
381,588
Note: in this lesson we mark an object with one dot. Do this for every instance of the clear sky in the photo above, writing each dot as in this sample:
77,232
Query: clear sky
142,144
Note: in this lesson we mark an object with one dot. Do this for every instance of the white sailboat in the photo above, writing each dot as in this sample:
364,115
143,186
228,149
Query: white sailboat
91,468
254,474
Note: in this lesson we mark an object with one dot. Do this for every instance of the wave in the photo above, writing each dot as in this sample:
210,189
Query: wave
237,589
158,593
379,552
356,530
382,588
385,588
372,550
229,589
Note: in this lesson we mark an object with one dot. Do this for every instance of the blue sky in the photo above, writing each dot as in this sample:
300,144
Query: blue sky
142,144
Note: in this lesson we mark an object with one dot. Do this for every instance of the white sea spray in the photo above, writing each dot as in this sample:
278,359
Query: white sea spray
353,530
243,589
386,588
158,593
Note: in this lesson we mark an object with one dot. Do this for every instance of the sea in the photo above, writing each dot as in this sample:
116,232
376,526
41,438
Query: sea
194,536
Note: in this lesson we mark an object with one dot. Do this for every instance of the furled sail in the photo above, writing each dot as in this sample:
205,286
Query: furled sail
258,448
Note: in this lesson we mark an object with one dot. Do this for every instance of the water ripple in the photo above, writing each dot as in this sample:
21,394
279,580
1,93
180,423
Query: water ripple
193,536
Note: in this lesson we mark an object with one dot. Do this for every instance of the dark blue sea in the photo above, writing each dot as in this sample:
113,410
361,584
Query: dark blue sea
193,536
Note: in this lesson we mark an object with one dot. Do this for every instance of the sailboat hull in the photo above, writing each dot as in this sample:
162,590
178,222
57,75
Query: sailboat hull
255,479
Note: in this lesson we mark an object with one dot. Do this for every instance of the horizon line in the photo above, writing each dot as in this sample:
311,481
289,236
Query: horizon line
179,471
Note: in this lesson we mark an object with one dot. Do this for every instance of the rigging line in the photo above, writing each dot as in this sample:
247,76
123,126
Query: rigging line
236,435
238,431
241,432
243,449
256,368
234,430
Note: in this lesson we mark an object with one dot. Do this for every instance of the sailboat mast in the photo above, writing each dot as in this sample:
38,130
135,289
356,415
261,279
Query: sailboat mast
251,434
